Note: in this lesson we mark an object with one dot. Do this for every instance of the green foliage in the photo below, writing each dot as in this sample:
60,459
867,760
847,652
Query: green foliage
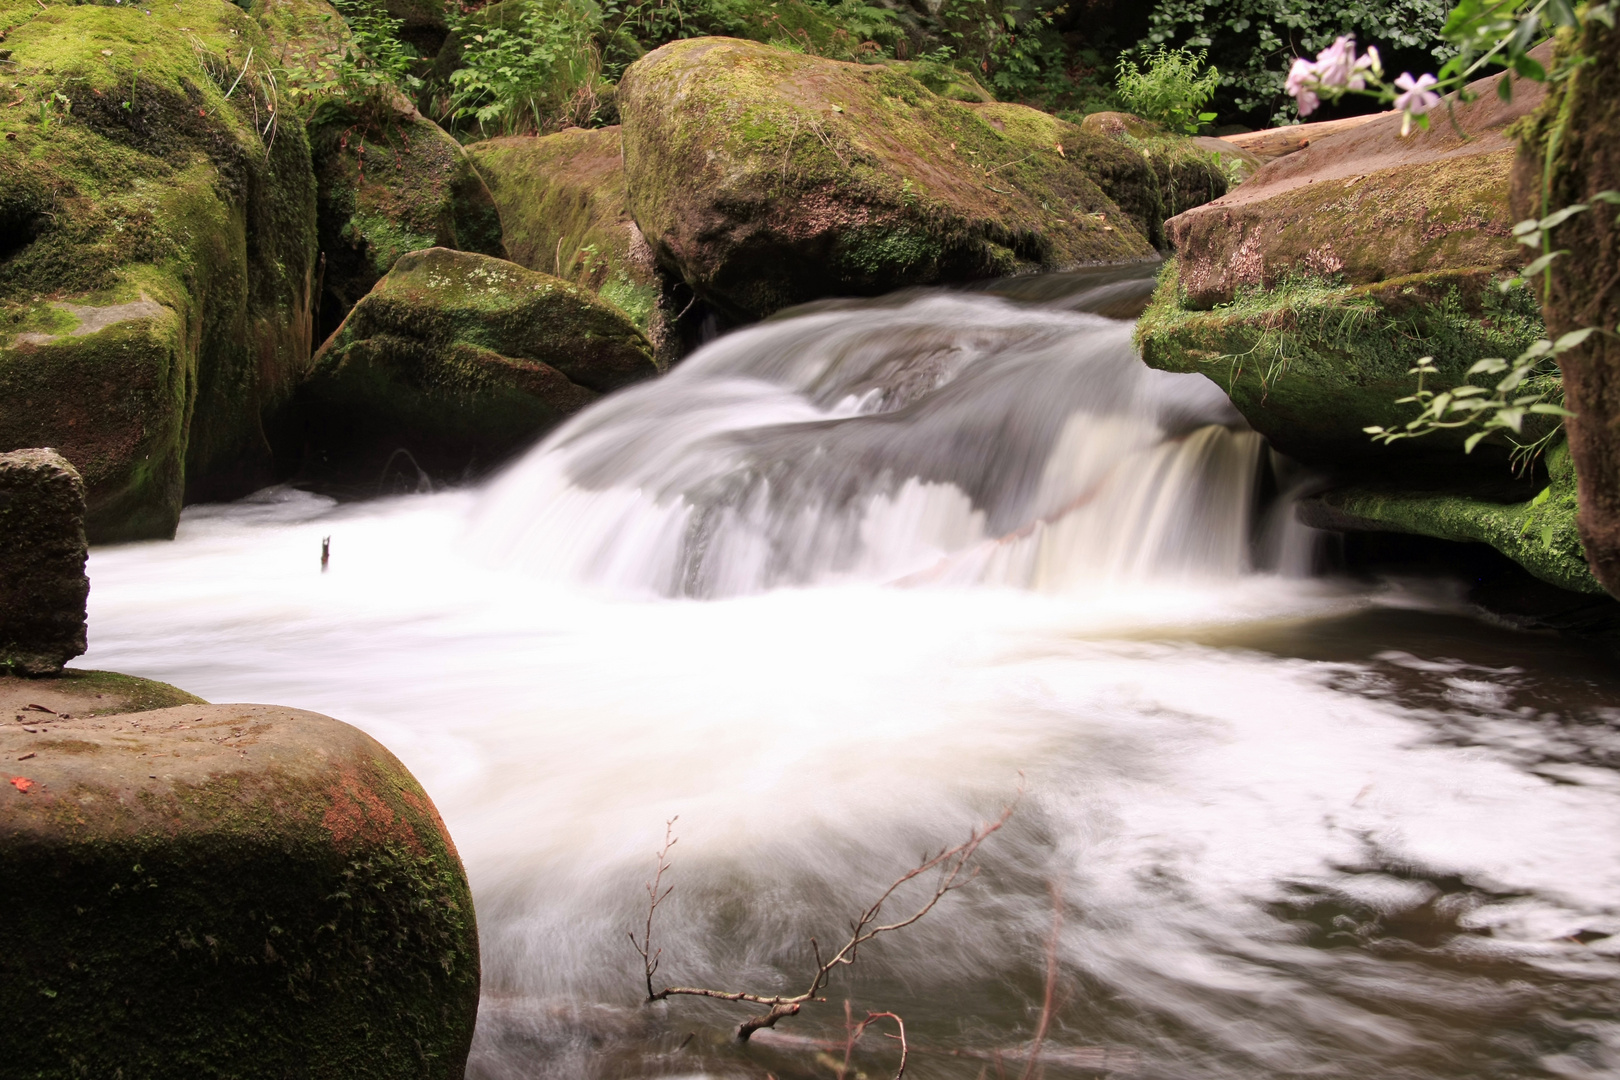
1170,89
362,74
535,73
1252,42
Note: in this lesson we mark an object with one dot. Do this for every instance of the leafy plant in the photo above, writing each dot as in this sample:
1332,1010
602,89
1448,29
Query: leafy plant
536,75
1168,87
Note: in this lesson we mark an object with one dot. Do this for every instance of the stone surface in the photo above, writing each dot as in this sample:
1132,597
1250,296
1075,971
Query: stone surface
461,360
1313,364
765,178
1584,111
221,890
156,253
43,587
563,212
1363,206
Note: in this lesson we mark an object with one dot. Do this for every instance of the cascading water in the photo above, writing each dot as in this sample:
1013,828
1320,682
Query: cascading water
1291,826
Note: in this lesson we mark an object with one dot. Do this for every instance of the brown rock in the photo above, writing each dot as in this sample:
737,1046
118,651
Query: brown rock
42,552
1365,205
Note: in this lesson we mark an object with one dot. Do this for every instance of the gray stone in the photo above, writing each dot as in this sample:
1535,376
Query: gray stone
43,586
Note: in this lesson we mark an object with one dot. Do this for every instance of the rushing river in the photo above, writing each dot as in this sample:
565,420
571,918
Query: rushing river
826,592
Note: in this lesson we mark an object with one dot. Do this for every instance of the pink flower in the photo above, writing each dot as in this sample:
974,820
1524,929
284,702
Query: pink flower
1416,98
1336,63
1301,83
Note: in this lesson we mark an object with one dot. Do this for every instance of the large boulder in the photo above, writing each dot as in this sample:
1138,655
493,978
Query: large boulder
221,890
1570,154
563,212
765,178
460,360
1308,291
42,552
156,253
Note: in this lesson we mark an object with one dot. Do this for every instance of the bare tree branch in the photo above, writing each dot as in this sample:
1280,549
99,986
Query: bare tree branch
649,959
954,870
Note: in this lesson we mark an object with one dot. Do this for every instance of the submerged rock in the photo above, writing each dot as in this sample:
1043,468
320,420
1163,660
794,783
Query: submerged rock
223,890
459,359
42,553
157,228
766,178
563,212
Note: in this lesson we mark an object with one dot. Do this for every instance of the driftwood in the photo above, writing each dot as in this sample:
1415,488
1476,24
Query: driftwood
1278,142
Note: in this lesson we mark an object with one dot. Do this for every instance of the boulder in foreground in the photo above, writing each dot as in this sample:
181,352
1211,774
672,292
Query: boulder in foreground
765,178
459,360
221,890
42,553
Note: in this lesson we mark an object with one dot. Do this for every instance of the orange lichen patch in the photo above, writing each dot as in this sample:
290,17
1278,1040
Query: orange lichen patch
358,813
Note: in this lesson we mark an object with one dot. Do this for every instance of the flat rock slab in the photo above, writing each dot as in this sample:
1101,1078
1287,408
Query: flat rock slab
242,890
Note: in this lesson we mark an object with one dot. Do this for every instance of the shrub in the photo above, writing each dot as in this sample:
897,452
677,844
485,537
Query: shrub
1168,88
532,74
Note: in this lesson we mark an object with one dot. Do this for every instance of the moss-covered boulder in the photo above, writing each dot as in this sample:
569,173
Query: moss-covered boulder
765,178
1312,364
42,553
1539,534
156,252
221,890
460,360
1364,205
563,212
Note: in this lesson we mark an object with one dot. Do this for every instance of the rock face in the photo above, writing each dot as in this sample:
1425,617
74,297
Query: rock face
156,254
563,212
1364,206
461,360
221,890
388,187
1584,111
765,178
42,552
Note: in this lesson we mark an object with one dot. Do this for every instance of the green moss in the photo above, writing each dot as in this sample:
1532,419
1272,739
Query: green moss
128,172
107,692
747,164
1310,364
1539,534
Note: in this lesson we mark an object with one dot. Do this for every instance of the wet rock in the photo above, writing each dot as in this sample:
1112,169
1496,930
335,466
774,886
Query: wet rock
765,178
42,553
460,360
223,890
1190,171
156,251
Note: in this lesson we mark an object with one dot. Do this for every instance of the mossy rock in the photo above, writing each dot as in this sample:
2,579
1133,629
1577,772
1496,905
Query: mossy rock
461,360
946,80
42,553
1311,363
563,212
156,253
1538,534
766,178
1365,205
221,890
388,186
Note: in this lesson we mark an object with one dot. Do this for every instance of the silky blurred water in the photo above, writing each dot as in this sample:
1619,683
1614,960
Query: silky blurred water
826,592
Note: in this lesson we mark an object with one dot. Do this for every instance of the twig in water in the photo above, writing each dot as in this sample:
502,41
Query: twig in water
1049,996
649,957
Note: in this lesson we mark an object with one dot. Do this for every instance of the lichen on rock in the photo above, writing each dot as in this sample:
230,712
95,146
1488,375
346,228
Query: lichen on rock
459,359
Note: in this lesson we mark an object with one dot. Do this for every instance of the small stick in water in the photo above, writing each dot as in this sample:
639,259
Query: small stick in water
326,552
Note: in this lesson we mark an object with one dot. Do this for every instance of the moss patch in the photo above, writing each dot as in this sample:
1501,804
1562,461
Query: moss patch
1539,534
128,176
1312,363
767,178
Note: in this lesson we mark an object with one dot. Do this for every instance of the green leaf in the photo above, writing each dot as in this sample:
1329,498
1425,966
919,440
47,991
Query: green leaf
1552,221
1541,263
1473,441
1573,339
1489,366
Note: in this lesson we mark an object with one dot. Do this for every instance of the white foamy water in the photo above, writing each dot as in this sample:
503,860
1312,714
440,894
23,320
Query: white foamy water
1297,827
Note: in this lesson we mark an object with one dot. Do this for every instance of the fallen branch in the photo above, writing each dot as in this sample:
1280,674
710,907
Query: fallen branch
952,863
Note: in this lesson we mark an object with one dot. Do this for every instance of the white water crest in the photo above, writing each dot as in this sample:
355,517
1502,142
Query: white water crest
1293,826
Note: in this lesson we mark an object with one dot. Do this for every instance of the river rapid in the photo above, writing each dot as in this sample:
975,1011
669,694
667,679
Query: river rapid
832,593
